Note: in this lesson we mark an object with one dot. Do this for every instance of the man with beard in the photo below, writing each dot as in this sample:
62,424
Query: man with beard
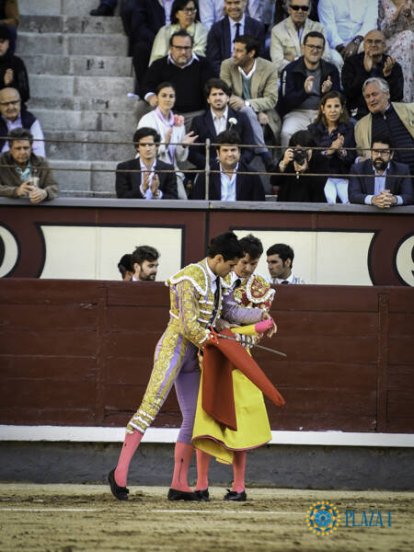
380,181
144,261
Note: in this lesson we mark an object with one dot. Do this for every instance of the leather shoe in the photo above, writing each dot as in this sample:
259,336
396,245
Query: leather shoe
174,494
235,496
102,10
203,495
121,493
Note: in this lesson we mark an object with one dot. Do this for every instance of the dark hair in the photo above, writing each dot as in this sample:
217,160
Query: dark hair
252,246
302,138
226,245
162,85
181,32
314,34
344,118
5,33
125,264
250,42
180,5
382,139
19,134
284,251
216,83
228,137
144,253
146,131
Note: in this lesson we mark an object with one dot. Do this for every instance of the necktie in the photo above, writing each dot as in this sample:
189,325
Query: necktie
217,293
238,25
236,283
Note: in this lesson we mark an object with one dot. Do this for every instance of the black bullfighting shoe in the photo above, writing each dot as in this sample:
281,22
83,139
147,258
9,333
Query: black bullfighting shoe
203,495
174,494
121,493
235,496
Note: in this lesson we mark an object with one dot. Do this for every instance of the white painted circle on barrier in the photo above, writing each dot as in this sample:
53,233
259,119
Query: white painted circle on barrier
10,249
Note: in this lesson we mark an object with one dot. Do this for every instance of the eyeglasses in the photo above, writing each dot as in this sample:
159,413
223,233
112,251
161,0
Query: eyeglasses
13,102
376,42
314,47
381,152
189,10
297,8
185,48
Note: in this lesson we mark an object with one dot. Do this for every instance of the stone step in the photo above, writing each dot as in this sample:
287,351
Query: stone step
85,178
89,145
63,24
72,44
119,121
92,66
45,86
57,7
122,103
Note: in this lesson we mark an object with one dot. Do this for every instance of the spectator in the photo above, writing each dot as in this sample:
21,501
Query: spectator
396,21
217,118
22,173
12,68
254,84
187,73
287,36
302,84
296,178
9,15
372,62
234,24
228,182
183,17
125,267
279,263
334,131
347,23
14,115
212,11
145,177
380,181
385,118
279,9
144,262
175,142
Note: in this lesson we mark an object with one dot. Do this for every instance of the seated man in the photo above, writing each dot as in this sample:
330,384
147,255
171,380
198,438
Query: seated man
144,262
145,177
227,182
12,68
347,23
279,263
302,84
187,72
254,84
22,173
287,36
14,115
372,62
380,181
212,11
234,24
219,117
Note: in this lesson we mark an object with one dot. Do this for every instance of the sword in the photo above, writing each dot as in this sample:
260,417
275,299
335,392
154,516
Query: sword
274,351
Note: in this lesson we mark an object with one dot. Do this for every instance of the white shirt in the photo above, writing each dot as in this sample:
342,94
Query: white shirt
38,147
220,122
228,185
212,10
148,193
292,279
213,279
379,186
233,28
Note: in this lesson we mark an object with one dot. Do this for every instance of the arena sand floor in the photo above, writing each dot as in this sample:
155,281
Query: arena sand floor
72,518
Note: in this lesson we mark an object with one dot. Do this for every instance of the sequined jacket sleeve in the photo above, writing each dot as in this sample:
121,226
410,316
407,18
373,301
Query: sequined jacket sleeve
235,314
190,313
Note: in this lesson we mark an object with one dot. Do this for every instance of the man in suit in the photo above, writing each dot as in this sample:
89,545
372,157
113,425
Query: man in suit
380,181
234,24
227,181
217,118
254,84
145,177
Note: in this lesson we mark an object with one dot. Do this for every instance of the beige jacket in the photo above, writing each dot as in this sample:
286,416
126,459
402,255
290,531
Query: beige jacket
363,128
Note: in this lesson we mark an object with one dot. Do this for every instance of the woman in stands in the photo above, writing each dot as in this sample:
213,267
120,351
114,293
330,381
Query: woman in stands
333,130
174,140
183,17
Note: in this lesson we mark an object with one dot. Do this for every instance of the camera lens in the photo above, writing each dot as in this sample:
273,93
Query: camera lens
299,155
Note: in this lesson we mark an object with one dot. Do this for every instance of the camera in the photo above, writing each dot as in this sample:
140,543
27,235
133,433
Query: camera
300,156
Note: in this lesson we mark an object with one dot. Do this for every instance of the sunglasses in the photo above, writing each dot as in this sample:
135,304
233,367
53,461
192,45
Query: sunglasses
302,8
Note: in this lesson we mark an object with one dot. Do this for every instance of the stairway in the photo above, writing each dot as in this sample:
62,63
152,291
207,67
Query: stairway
79,80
